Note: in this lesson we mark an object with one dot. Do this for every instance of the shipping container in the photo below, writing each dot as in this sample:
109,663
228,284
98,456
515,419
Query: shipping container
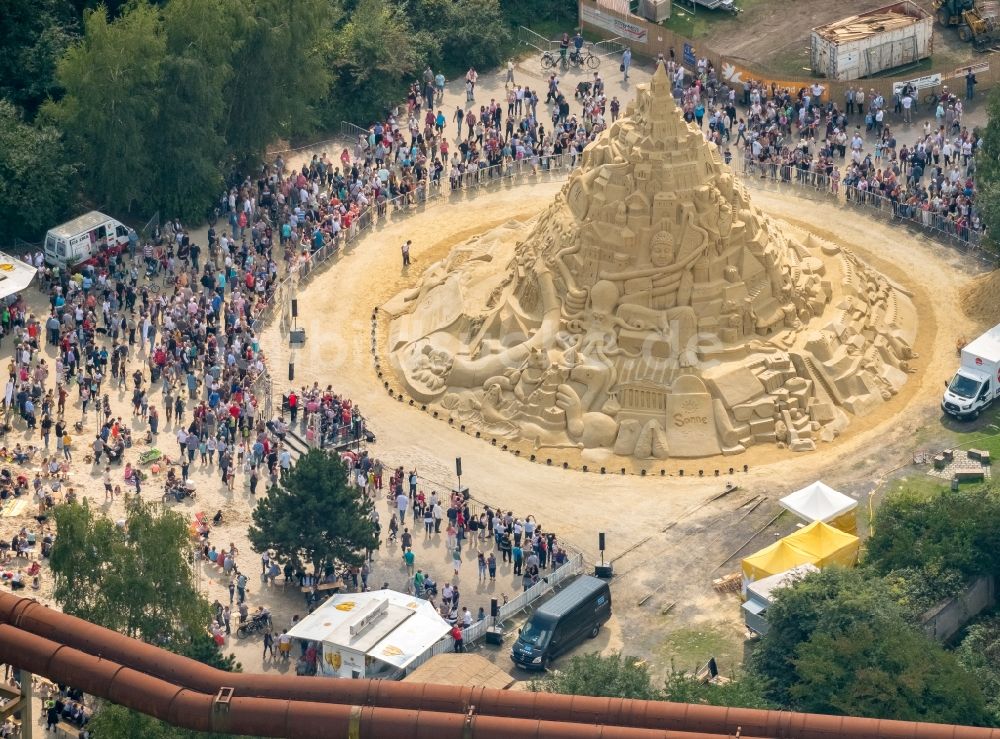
863,45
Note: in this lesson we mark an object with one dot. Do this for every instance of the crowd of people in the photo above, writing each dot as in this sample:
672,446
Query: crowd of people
855,146
414,151
468,533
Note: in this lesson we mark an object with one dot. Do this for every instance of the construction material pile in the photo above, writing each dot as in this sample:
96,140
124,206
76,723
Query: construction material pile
857,27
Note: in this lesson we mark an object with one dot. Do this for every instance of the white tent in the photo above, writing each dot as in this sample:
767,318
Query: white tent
372,634
820,502
15,275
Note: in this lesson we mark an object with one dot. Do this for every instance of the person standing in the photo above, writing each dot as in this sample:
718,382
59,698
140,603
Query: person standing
456,634
406,253
408,559
626,61
268,645
970,84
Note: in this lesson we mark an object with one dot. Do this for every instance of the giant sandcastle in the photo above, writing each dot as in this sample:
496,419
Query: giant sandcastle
652,312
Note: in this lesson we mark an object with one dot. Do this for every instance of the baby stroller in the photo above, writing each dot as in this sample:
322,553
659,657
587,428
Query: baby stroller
179,489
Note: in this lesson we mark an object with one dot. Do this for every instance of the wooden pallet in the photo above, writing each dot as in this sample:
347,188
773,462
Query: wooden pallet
729,583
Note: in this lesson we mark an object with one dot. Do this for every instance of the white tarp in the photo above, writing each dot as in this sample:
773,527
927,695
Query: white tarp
818,502
15,275
765,587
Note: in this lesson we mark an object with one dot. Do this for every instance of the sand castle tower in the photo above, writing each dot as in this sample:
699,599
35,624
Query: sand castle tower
651,312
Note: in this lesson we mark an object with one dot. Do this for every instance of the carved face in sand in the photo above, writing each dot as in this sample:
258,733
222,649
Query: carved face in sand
603,299
661,251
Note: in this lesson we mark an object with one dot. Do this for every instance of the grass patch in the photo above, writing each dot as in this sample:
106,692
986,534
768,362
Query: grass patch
689,25
983,433
923,486
690,648
699,22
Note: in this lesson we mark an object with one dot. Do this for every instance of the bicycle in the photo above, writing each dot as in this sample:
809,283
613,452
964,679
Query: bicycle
578,59
933,98
549,60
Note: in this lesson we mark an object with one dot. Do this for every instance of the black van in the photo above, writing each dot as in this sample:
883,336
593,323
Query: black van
578,611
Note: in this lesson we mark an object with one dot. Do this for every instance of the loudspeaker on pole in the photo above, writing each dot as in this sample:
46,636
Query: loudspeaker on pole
295,308
600,541
291,371
458,466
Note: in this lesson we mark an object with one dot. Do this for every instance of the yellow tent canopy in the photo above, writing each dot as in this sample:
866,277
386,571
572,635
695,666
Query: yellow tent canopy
818,544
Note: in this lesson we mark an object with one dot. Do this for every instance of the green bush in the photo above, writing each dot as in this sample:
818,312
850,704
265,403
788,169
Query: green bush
839,644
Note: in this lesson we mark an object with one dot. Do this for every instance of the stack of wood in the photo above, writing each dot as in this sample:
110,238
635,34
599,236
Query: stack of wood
859,27
729,583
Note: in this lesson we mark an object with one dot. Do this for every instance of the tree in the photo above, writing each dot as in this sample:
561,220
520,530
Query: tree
113,720
475,33
375,55
979,653
33,36
884,669
112,80
951,531
278,72
614,676
313,516
136,580
988,170
36,176
838,644
187,130
746,690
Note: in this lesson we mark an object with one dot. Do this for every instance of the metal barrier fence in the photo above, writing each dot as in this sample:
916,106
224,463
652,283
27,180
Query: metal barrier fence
535,40
351,132
609,47
146,234
934,225
572,567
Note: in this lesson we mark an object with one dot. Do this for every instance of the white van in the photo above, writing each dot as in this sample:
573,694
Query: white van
81,240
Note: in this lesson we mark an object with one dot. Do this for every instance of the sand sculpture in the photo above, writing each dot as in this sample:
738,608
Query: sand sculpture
652,312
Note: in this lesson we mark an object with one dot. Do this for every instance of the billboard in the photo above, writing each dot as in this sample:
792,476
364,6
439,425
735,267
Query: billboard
619,26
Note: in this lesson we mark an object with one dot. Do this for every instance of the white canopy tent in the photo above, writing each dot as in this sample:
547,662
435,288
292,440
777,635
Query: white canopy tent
820,502
15,275
373,634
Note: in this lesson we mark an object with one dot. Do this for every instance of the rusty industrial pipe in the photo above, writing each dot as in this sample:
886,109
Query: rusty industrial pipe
26,614
220,712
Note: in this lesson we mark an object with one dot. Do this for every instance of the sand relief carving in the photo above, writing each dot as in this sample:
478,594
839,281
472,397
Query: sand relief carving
652,312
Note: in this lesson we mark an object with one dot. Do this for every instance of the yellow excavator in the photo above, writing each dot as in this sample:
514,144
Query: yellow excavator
977,21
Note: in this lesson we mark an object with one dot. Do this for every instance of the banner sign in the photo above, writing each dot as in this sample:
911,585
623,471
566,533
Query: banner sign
735,75
618,26
920,83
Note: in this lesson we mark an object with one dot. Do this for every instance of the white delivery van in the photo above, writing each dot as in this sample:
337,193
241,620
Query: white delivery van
81,240
977,381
